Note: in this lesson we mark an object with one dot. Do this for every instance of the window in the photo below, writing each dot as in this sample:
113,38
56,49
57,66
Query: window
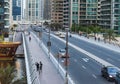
29,5
36,13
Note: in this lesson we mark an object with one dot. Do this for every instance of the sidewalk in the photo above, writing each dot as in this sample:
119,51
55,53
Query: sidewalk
49,74
112,47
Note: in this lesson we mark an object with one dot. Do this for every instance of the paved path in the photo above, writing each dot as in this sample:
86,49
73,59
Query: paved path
49,74
99,43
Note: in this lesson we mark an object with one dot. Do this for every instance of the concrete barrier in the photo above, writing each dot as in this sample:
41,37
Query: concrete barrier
26,61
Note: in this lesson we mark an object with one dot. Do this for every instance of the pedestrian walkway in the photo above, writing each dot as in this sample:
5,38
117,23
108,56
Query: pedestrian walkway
101,43
49,74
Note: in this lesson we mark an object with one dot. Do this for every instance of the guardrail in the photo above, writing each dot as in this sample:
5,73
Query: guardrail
30,66
54,61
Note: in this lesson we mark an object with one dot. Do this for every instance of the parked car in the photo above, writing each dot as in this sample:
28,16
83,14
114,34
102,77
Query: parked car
109,72
57,33
62,35
117,78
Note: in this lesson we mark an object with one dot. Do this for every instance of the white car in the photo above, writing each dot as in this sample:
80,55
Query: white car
57,33
62,35
62,53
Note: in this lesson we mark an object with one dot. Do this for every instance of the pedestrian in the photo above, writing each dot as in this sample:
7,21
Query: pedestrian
95,38
37,66
98,38
29,38
41,65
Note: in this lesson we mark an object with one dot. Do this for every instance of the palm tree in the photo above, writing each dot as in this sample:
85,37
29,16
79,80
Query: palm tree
13,27
7,74
109,35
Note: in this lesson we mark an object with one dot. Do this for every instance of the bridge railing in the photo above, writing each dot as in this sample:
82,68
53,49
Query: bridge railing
30,66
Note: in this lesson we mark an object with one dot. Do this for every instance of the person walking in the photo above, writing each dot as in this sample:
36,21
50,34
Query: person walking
29,38
37,66
41,65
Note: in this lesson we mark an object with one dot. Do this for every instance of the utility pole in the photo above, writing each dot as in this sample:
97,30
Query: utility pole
66,59
49,43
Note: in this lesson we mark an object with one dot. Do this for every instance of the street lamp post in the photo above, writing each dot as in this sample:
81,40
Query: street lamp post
49,43
66,59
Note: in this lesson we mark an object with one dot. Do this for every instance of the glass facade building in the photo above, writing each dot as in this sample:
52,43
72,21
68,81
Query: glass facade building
66,14
88,12
1,15
80,12
16,9
34,10
110,14
5,15
47,10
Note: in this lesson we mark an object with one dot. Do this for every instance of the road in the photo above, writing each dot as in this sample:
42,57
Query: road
83,69
103,53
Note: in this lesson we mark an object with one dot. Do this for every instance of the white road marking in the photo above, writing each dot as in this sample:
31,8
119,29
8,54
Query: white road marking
83,67
101,61
85,59
94,76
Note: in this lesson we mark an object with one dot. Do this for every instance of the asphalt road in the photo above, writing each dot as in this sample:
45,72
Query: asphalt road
82,69
103,53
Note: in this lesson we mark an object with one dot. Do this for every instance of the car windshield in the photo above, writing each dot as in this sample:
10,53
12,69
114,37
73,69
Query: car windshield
112,70
62,51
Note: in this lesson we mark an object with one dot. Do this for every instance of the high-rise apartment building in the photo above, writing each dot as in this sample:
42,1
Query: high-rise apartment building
88,12
57,11
34,10
47,10
66,14
80,12
5,15
110,14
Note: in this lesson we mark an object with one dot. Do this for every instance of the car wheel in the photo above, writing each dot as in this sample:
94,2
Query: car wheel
108,78
102,75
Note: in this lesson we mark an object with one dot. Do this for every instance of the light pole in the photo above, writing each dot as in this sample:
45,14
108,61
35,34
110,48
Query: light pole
66,59
49,43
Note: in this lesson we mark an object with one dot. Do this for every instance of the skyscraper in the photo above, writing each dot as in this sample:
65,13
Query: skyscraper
110,15
57,11
34,10
5,15
47,10
16,10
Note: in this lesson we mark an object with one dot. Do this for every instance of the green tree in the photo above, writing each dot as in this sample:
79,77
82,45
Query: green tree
109,35
56,26
7,74
13,27
45,23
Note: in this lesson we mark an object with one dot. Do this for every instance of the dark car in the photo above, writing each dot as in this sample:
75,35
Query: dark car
117,78
109,72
